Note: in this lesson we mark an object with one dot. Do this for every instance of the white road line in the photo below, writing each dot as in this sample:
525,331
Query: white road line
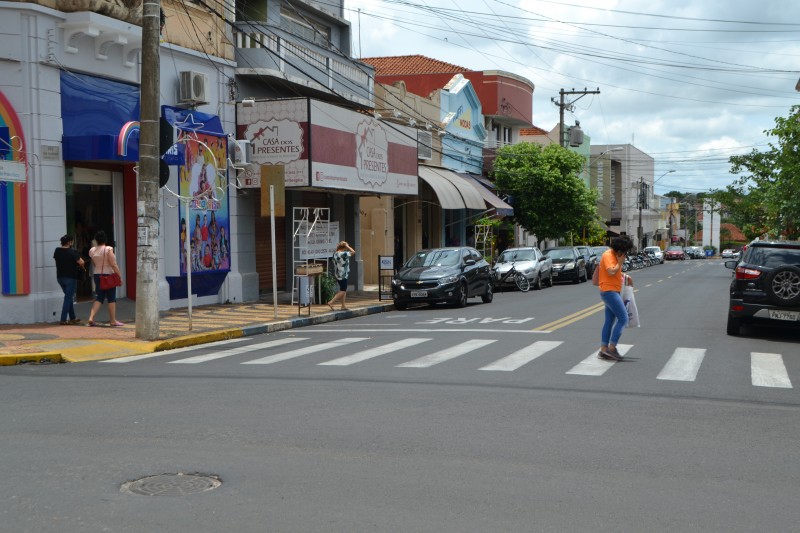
420,330
373,352
683,365
768,370
132,358
523,356
594,366
276,358
235,351
447,354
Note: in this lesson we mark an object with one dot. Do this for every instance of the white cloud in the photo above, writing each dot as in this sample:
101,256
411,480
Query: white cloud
688,82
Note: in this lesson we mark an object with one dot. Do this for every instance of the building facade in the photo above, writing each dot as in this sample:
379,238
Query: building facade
69,81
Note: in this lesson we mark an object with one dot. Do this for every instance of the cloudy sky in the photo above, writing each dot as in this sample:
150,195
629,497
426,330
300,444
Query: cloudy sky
688,82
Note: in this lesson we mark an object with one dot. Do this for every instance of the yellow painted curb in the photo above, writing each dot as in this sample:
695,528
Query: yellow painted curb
199,338
34,358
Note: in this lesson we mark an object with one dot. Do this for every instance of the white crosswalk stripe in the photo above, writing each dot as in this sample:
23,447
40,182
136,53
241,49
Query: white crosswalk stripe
235,351
285,356
683,365
132,358
522,357
374,352
447,354
594,366
768,370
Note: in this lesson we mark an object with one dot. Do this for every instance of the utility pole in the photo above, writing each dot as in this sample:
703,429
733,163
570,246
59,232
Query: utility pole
148,212
562,139
640,233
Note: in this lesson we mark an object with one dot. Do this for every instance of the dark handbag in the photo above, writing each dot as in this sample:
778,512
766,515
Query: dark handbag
110,281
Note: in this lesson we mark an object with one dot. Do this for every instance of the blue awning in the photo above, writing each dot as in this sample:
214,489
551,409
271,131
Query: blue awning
100,119
93,111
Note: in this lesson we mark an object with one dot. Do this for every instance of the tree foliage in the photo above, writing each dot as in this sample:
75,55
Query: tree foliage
772,182
544,187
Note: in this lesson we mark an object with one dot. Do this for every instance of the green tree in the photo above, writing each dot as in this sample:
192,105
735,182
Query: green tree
543,183
774,177
745,210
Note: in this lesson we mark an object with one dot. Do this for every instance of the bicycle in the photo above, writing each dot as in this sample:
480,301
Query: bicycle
520,280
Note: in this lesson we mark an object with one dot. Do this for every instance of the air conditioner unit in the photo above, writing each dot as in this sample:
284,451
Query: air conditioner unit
193,87
424,145
241,151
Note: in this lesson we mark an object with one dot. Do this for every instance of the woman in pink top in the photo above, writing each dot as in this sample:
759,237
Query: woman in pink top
104,262
611,279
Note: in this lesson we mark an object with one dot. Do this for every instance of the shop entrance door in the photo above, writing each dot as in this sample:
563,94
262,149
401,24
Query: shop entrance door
90,208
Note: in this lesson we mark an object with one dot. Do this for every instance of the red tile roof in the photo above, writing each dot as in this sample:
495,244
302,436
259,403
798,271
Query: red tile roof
416,64
536,130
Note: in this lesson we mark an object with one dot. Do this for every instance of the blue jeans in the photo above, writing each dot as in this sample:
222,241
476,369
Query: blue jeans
68,285
616,318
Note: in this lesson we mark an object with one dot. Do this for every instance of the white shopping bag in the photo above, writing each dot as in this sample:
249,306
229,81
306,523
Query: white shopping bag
630,306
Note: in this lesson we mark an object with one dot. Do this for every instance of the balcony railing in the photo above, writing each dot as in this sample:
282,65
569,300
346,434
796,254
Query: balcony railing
296,61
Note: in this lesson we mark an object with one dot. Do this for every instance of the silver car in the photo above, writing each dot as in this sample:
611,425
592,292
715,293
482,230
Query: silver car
528,260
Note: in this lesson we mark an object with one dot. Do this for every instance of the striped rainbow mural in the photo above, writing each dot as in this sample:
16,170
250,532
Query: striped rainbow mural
15,259
128,130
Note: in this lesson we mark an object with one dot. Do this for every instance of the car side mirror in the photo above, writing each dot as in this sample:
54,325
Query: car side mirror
469,262
731,264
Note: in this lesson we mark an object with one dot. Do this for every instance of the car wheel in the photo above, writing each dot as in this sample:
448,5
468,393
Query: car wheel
585,276
734,326
461,298
783,286
537,285
488,296
550,279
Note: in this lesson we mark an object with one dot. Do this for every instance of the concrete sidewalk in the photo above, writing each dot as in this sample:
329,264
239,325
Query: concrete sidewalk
54,343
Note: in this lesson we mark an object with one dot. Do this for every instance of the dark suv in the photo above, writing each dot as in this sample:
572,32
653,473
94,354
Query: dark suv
766,285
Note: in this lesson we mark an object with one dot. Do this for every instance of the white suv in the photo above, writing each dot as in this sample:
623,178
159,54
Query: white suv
655,250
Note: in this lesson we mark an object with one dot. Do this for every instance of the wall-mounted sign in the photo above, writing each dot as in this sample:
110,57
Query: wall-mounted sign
12,171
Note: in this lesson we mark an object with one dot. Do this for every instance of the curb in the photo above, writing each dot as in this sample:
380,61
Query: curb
40,358
204,338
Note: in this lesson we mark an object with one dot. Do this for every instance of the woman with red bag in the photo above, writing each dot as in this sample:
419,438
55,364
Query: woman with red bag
105,263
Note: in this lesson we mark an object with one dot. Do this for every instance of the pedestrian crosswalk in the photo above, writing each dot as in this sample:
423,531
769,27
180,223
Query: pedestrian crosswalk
682,365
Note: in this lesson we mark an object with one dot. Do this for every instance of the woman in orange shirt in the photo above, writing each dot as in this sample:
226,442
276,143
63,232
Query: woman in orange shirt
611,279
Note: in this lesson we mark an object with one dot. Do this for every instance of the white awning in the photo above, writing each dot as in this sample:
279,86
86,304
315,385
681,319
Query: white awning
453,191
492,200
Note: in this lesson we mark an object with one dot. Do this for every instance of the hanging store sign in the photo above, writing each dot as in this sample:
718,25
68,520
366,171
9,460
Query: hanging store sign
325,146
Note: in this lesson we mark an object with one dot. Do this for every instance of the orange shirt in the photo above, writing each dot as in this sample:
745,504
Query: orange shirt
607,281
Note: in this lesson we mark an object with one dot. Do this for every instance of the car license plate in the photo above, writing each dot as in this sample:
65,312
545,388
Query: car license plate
784,315
555,274
419,294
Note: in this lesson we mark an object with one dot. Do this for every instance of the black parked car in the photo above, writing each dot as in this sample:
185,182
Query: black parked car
590,257
765,286
568,264
443,275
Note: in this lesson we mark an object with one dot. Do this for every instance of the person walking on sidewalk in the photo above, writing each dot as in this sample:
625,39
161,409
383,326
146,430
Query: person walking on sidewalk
68,271
611,279
104,262
341,270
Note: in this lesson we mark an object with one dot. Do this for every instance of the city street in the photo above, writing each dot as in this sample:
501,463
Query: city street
495,417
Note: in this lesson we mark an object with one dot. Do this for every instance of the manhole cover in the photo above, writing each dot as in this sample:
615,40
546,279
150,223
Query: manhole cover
172,484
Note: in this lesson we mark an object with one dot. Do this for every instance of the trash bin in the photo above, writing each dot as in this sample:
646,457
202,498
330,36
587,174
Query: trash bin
305,290
709,253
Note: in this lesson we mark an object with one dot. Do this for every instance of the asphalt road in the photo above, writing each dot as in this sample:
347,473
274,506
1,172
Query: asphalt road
496,417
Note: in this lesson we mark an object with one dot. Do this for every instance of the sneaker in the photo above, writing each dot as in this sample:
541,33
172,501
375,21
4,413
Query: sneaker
609,356
117,323
615,353
75,321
